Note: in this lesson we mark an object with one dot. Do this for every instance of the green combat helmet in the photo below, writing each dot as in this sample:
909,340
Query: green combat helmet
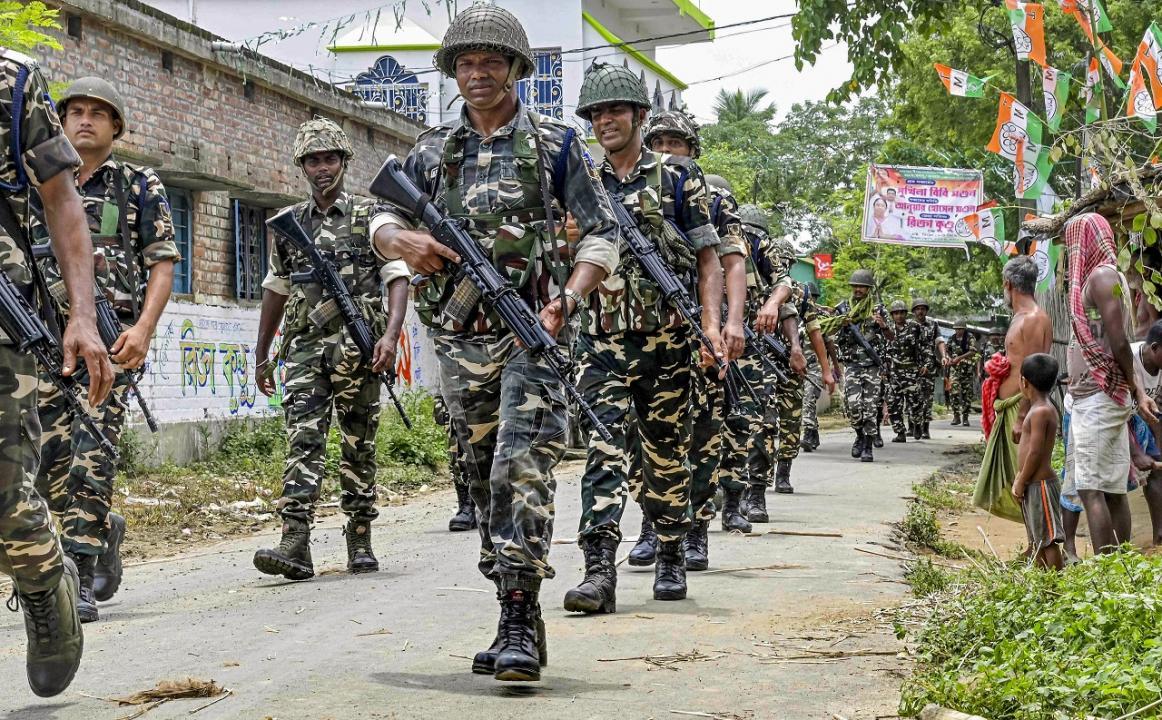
95,88
717,181
899,306
674,122
862,277
321,135
486,28
754,217
605,84
919,302
960,325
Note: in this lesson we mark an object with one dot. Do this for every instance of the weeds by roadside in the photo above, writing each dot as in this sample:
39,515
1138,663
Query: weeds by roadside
947,490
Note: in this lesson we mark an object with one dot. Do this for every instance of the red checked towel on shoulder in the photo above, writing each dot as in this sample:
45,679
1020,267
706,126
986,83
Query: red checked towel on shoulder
998,367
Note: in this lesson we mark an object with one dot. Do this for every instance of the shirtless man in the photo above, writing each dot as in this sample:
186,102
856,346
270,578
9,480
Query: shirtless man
1031,330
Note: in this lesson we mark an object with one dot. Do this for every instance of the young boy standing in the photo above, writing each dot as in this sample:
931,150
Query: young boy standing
1036,486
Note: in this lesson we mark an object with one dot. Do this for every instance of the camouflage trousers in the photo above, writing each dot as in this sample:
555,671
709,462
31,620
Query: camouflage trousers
742,426
508,412
707,417
927,393
325,377
963,381
861,396
779,430
440,415
811,394
903,397
29,550
648,375
74,475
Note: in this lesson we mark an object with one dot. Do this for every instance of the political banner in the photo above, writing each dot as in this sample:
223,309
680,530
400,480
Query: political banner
824,268
919,206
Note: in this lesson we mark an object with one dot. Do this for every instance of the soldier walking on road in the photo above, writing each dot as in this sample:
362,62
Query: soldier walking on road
509,174
635,351
35,154
962,364
809,440
324,370
134,255
903,380
933,357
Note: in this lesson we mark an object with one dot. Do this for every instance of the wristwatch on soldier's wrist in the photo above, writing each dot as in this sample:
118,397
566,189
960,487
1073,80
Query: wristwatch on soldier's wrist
577,298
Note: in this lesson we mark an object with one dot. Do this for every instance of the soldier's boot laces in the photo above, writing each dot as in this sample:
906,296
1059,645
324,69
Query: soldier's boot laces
642,554
901,437
292,557
783,478
597,592
878,441
360,557
484,662
756,503
927,435
732,518
518,659
857,446
866,456
107,575
55,639
697,544
86,603
670,572
465,517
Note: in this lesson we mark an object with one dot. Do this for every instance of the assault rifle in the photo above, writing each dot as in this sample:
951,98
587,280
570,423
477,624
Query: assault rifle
109,328
845,307
394,186
28,333
287,225
779,349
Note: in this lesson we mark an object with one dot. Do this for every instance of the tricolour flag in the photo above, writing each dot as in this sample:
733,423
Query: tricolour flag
960,83
1109,59
1082,6
988,229
1031,172
1093,91
1014,123
1150,56
1028,21
1055,86
1139,103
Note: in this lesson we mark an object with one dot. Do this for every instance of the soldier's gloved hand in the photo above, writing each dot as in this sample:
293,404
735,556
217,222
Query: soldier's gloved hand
735,340
81,339
798,361
383,357
422,252
264,376
131,347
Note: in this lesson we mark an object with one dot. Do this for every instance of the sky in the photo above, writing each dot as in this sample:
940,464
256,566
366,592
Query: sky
747,47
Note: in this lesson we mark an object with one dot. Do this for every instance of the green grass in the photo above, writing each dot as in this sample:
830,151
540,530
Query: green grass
1009,642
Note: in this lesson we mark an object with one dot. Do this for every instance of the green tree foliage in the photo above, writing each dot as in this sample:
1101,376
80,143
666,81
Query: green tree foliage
739,106
20,23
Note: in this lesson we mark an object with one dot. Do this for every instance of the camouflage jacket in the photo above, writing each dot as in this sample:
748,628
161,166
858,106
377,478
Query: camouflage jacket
341,233
629,300
116,188
929,336
765,270
904,350
850,350
724,217
493,183
956,348
44,152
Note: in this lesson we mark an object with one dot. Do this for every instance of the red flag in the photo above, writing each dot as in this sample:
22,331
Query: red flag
824,270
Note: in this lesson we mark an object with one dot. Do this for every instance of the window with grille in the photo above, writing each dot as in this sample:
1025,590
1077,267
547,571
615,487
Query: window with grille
181,205
544,90
250,250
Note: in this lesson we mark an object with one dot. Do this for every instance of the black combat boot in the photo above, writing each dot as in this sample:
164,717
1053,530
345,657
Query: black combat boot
955,418
465,517
857,446
643,552
292,557
484,662
55,639
917,431
964,421
783,478
878,440
732,518
805,443
866,455
86,603
360,558
670,572
926,435
756,503
814,438
518,659
107,576
698,546
597,593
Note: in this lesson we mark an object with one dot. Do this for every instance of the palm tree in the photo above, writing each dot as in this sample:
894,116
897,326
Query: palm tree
737,106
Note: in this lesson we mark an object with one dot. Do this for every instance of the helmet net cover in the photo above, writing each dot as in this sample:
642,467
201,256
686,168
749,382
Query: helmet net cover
674,122
607,84
485,28
321,135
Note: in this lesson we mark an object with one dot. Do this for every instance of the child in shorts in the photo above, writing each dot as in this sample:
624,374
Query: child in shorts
1036,487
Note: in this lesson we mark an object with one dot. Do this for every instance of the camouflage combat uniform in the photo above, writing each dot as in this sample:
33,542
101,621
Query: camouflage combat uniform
28,543
507,407
930,358
861,382
963,374
903,386
635,353
132,230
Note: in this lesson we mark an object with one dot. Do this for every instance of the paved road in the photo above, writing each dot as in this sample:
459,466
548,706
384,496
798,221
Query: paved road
395,644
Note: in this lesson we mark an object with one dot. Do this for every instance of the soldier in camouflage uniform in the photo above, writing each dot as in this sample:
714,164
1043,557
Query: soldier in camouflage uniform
509,174
35,154
933,357
962,366
812,391
861,385
903,386
635,351
465,517
134,256
325,374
